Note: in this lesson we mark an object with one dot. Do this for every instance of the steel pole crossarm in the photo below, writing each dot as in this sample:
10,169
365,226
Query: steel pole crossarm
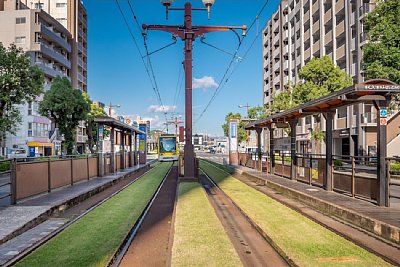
180,30
174,29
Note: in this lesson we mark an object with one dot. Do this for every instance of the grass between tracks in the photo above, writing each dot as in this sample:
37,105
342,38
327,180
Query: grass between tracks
92,240
304,241
199,238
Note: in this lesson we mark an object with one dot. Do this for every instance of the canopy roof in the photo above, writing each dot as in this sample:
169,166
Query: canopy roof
112,122
372,90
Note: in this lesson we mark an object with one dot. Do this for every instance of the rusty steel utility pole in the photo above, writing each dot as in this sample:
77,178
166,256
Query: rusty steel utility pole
188,34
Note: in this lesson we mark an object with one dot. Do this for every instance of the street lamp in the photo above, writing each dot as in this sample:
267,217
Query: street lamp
247,108
110,107
208,4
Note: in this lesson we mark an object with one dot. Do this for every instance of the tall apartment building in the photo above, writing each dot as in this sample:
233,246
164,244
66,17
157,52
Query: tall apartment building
49,45
73,16
303,29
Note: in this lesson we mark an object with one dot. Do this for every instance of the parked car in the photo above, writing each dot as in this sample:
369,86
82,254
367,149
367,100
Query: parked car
212,150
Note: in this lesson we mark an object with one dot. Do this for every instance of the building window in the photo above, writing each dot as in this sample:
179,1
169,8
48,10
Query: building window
30,129
30,108
20,39
342,112
39,5
21,20
61,4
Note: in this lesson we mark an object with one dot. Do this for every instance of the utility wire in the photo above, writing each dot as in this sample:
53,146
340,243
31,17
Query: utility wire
148,66
226,76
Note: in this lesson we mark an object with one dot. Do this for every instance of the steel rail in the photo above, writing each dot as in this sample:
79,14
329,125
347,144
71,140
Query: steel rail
120,253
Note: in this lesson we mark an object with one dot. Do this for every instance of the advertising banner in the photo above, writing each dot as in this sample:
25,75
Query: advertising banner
142,144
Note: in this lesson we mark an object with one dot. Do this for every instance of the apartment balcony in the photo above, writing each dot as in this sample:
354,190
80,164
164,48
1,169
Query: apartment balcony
369,118
49,34
307,54
352,18
315,27
316,46
53,55
353,44
340,28
276,53
364,9
307,35
49,70
307,16
298,43
285,65
328,37
276,80
341,51
363,38
276,66
339,5
285,50
327,16
275,40
315,7
353,69
341,123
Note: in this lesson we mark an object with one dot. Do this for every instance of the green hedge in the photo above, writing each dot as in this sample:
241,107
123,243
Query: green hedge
5,166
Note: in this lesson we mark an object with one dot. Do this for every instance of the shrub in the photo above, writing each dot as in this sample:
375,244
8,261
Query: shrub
337,163
5,166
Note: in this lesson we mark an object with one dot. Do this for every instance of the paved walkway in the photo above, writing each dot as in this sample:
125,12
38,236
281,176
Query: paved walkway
16,219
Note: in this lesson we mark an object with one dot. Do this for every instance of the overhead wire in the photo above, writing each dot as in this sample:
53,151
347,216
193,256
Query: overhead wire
148,66
226,76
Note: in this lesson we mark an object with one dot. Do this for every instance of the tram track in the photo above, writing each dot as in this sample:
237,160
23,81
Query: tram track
75,213
251,245
132,254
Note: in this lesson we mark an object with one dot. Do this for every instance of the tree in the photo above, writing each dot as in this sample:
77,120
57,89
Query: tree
257,113
19,83
320,77
95,112
242,135
381,57
66,107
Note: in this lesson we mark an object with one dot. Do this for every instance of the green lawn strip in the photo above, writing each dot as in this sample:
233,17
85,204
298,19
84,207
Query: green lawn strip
92,240
199,238
304,241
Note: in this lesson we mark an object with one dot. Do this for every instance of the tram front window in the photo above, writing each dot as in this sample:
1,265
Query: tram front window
168,145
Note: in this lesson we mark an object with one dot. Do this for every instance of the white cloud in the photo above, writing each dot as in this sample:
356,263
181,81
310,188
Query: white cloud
207,82
161,109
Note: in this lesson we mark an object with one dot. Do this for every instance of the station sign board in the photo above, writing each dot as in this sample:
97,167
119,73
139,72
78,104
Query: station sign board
233,132
383,113
101,133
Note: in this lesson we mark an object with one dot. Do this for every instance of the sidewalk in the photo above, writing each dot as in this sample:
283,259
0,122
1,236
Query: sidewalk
381,221
16,219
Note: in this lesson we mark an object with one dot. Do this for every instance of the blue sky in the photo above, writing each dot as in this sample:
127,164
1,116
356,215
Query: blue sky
117,75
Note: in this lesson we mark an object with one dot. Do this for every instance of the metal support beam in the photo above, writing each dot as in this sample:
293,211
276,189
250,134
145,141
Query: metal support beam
112,141
271,151
123,137
329,148
383,179
259,154
135,158
293,133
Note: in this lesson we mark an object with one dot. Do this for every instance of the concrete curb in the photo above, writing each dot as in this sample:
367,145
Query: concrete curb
383,230
69,203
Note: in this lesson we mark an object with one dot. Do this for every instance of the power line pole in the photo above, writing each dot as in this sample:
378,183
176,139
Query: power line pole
176,123
188,33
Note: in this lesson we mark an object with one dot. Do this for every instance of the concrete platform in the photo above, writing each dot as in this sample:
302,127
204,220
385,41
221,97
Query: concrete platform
17,219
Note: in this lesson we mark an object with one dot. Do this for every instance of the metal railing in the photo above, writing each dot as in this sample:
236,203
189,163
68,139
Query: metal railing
393,173
353,174
7,180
